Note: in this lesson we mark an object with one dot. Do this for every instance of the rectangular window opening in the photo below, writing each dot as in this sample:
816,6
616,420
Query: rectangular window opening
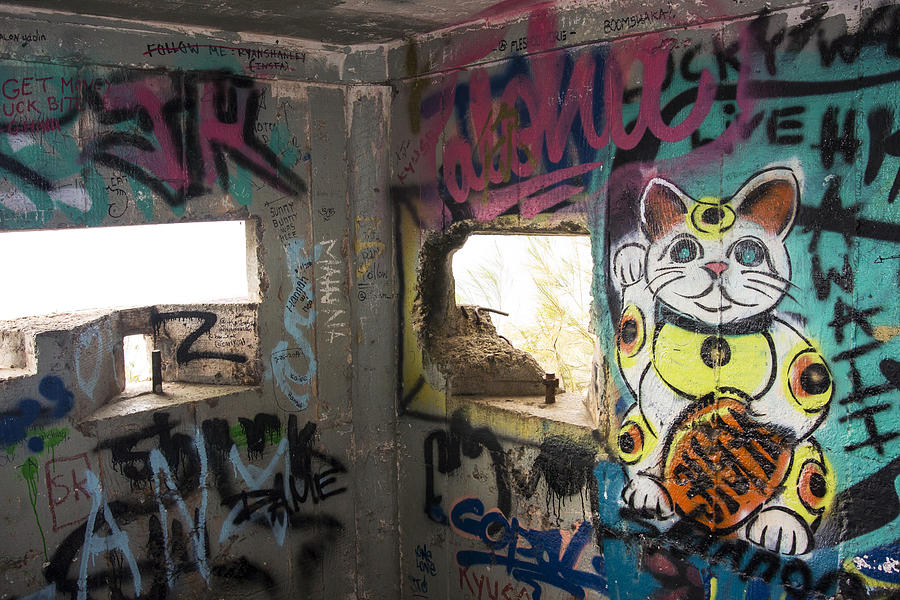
137,362
543,282
69,270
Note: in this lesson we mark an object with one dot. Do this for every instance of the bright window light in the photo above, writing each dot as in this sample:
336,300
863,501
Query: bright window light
65,270
137,360
544,283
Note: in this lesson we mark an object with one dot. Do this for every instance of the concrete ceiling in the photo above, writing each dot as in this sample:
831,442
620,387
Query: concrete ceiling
329,21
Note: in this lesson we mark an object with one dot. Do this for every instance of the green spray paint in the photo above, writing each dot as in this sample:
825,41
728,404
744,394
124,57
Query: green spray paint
52,437
29,472
239,435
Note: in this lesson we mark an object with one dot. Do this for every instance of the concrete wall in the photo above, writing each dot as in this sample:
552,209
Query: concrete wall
735,174
735,168
256,469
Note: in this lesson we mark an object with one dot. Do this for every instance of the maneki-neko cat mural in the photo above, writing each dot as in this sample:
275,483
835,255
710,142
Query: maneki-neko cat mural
728,392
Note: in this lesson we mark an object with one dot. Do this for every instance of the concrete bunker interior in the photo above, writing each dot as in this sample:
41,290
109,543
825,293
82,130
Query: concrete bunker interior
313,441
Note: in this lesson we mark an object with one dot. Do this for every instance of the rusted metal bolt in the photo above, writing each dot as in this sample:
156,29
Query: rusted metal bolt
551,383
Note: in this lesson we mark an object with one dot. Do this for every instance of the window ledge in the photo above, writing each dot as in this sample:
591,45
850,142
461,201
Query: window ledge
12,374
174,394
527,417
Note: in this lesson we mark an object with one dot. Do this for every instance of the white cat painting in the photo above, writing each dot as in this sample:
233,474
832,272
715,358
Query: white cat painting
728,392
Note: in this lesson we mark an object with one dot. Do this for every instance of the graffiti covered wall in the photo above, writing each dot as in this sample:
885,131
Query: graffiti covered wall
241,478
736,170
736,179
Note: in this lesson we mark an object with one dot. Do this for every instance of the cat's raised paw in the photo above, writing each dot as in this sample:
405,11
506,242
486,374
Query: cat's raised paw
647,495
779,530
628,264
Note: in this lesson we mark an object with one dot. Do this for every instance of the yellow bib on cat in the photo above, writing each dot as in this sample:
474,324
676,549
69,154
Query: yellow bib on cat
696,364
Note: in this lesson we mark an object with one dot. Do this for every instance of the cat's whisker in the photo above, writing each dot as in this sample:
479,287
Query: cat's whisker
670,272
774,276
672,268
676,278
658,277
768,284
767,295
774,287
659,289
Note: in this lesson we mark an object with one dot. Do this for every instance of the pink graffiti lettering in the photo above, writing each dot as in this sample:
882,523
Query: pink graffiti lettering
525,194
527,127
502,147
69,502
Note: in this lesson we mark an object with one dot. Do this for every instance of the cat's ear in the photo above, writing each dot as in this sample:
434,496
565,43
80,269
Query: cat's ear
662,208
770,198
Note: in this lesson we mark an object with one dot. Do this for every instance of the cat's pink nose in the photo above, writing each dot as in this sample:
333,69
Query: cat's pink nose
716,267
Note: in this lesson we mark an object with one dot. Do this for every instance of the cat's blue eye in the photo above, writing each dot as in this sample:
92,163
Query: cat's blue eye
749,253
684,250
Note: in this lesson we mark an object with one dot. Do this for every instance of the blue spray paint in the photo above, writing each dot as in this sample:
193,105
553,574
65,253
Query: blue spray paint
14,426
299,316
544,559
